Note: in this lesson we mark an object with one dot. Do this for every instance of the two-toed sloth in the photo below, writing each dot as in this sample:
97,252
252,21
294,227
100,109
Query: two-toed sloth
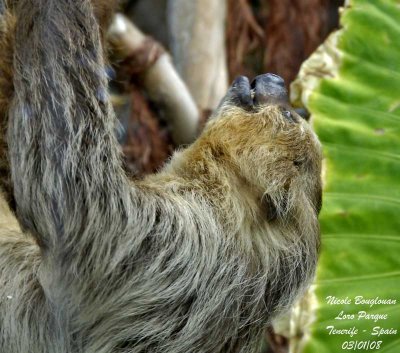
196,258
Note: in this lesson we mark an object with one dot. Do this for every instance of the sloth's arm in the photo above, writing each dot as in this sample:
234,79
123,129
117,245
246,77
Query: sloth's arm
70,189
103,10
65,161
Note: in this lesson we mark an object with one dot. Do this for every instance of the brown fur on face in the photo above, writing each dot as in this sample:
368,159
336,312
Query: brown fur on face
196,258
234,144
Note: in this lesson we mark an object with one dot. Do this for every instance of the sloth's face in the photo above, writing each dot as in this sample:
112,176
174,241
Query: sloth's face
272,148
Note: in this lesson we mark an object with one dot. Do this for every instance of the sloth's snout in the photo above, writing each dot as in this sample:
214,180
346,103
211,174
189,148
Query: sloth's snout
263,90
269,89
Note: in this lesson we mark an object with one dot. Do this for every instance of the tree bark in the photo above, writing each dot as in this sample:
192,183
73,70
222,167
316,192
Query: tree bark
197,31
294,31
145,58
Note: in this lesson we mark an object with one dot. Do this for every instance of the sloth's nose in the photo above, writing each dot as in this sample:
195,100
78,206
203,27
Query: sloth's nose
269,89
264,89
240,92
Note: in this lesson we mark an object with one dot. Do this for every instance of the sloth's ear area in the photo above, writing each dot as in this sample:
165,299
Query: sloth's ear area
274,207
269,208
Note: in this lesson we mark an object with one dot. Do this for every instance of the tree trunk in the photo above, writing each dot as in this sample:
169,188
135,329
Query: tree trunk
197,31
294,31
143,57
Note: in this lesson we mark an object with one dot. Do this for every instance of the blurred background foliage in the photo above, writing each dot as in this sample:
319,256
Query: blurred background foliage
351,85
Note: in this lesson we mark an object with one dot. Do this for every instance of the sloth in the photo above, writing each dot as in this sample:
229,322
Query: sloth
199,257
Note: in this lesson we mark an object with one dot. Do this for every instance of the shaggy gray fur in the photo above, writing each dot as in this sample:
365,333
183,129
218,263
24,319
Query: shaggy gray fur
155,266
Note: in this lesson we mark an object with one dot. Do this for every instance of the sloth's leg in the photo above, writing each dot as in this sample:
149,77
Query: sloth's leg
68,182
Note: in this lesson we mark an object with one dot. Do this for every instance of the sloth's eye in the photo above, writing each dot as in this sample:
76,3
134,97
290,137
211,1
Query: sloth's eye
298,163
289,116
